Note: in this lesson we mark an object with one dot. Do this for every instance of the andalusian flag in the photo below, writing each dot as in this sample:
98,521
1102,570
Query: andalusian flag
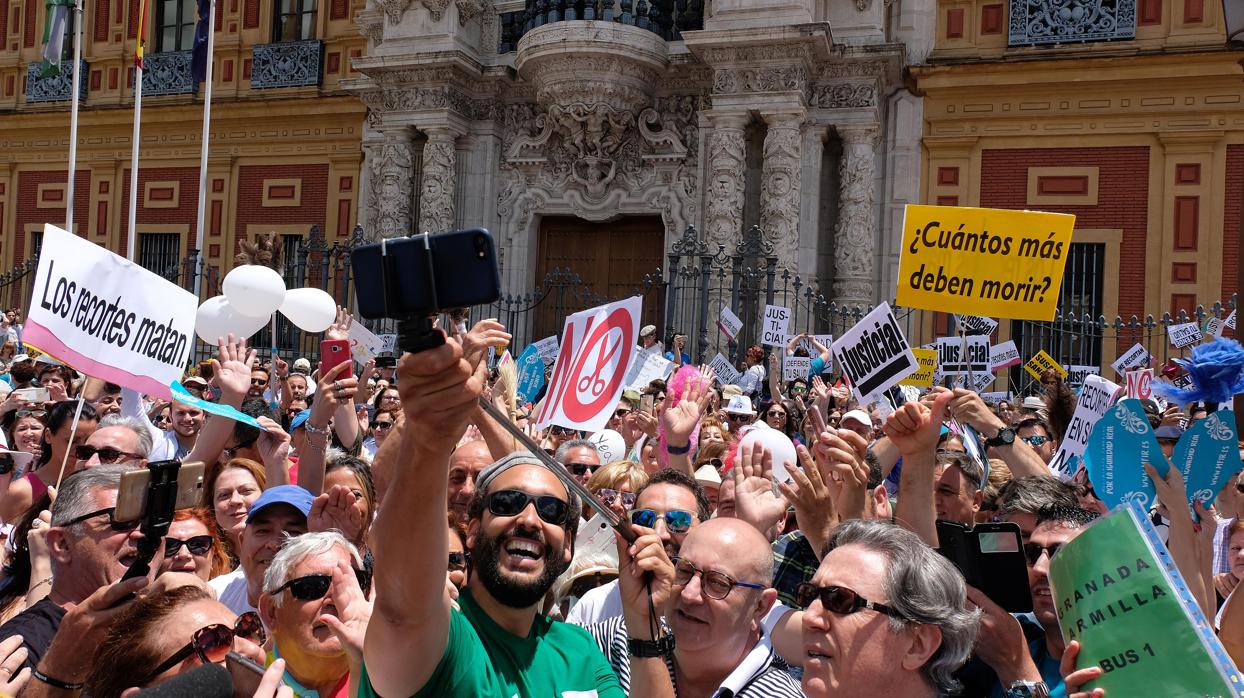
58,20
142,34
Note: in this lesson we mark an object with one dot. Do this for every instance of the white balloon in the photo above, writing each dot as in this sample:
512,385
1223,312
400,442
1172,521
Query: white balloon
218,318
610,445
311,309
779,446
254,290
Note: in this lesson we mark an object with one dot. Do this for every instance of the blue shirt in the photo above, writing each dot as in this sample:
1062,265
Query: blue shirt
1047,665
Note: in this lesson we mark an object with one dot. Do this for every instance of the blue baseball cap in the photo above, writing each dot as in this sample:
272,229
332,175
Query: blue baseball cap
299,418
293,495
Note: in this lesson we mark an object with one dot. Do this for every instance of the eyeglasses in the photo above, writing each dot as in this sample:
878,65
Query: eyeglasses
214,641
232,451
777,414
118,526
550,509
315,586
259,381
161,419
580,468
738,417
561,431
394,398
1033,551
619,414
714,585
37,414
197,545
107,454
1035,440
798,389
676,520
382,425
840,600
609,496
457,562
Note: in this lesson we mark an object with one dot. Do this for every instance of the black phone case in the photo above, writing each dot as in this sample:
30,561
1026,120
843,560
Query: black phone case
463,270
1002,576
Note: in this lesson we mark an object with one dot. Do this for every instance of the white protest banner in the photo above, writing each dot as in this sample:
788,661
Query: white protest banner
997,396
108,317
774,326
390,343
547,348
976,324
1184,335
796,367
1095,398
1136,357
1077,373
874,354
1230,321
1004,355
729,323
364,344
596,349
1214,327
956,355
725,373
647,367
982,380
1140,384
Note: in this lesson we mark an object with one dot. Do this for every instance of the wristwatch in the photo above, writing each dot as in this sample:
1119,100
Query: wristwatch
1005,437
1028,689
650,648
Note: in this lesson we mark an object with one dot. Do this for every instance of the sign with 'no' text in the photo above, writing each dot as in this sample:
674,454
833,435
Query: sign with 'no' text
984,261
589,374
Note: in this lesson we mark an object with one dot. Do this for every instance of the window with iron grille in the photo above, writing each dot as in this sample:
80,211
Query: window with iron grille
294,20
160,253
1068,339
175,25
36,242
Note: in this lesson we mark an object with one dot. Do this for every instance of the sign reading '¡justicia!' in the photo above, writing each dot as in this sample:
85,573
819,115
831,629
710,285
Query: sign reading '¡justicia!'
874,354
983,261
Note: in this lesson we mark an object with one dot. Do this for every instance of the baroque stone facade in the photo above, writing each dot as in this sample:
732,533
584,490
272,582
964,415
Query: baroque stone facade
701,120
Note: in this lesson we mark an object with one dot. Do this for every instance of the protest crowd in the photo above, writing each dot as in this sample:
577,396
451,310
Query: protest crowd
374,529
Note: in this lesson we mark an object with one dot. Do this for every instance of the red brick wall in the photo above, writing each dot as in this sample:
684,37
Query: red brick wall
311,211
187,201
1122,201
1231,222
28,211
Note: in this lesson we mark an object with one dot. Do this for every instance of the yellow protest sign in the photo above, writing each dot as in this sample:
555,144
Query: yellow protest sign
983,261
1041,363
923,378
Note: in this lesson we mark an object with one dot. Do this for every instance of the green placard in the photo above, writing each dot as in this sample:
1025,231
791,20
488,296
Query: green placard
1117,591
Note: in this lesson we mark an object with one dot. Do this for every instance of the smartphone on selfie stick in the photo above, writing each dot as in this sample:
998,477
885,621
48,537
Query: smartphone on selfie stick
153,495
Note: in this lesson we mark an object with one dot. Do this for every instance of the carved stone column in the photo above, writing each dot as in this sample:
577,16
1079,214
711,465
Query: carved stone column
436,192
856,234
779,185
390,172
723,211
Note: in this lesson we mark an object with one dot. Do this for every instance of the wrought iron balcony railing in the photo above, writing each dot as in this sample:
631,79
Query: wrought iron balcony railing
287,64
1070,21
168,73
665,18
54,88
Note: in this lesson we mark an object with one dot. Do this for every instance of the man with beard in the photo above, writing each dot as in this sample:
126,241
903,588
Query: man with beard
520,534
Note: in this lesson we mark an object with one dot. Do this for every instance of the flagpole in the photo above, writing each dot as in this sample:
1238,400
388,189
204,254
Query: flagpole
207,122
132,239
73,113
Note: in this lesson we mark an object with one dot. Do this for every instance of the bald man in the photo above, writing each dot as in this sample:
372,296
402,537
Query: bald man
721,591
464,468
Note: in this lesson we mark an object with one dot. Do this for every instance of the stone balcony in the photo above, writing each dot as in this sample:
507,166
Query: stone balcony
287,64
1034,22
54,88
665,18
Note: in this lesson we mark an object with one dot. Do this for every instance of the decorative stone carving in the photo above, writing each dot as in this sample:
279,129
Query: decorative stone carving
855,235
394,9
390,188
854,69
436,8
779,186
843,96
863,5
469,10
436,188
763,79
723,209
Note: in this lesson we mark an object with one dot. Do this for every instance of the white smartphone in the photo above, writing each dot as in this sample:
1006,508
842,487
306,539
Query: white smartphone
33,394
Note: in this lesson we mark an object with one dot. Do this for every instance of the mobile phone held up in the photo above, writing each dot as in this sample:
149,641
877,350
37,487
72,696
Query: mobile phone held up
421,275
332,353
991,558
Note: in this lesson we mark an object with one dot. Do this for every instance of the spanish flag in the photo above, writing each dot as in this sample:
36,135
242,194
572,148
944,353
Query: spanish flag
142,34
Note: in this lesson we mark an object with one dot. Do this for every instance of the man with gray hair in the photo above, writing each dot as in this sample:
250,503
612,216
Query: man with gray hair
1021,500
580,457
89,548
117,440
887,616
316,610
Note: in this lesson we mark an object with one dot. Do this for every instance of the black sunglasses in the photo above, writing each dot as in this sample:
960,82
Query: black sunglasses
512,502
259,381
737,417
197,545
107,454
232,451
1033,551
37,414
381,425
315,586
581,468
118,526
840,600
214,641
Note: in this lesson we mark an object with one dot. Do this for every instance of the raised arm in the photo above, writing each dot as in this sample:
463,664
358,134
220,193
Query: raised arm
914,429
334,392
969,408
683,419
775,383
409,627
231,372
345,424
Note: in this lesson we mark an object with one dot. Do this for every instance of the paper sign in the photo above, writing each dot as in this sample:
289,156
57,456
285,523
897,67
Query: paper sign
108,317
530,374
1041,363
1119,594
874,354
998,396
1121,442
1077,373
390,343
729,323
596,350
1095,398
725,373
1004,355
1208,456
364,344
180,394
1140,384
1184,335
982,261
547,348
923,377
958,355
773,331
1136,357
975,324
647,367
1230,321
796,367
1214,327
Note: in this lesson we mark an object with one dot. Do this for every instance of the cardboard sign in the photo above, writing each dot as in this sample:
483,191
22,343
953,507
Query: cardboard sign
874,354
588,375
1207,456
1095,398
1230,321
647,367
1121,442
975,324
796,367
998,396
725,373
1117,591
547,348
1214,327
108,317
1041,363
729,323
530,374
963,355
1140,384
1004,355
364,344
1134,358
982,261
775,322
390,342
1184,335
1078,373
923,377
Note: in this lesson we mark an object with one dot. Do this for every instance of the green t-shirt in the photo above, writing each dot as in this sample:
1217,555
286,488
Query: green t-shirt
484,660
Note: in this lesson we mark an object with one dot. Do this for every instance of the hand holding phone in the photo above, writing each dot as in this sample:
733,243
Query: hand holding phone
246,675
332,353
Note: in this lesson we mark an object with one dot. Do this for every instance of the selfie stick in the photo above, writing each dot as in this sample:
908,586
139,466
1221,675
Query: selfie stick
158,515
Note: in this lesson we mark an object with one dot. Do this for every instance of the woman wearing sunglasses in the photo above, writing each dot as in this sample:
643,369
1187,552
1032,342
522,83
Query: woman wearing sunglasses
24,492
191,546
615,484
164,634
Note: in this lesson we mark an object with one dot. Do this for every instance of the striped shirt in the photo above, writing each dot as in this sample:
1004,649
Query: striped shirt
761,674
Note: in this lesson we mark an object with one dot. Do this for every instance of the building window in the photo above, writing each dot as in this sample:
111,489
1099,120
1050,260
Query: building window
1069,339
160,253
36,242
294,21
175,25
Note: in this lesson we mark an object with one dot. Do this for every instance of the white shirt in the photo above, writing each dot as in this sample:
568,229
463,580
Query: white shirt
231,591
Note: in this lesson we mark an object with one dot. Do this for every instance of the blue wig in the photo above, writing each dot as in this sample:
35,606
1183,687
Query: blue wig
1217,372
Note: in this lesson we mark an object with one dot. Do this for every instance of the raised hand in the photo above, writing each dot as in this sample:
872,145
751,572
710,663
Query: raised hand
273,443
349,624
439,389
336,387
335,509
231,370
635,561
282,368
754,499
813,499
840,454
484,336
340,329
914,427
681,420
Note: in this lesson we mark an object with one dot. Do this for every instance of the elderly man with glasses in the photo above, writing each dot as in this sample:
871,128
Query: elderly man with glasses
117,440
